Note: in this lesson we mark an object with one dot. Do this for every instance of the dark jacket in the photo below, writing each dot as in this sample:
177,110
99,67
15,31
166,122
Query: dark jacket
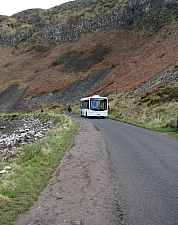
69,109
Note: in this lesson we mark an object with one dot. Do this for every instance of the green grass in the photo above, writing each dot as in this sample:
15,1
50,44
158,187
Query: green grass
175,135
33,168
147,110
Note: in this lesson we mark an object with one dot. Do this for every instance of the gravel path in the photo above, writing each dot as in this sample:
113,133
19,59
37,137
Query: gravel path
81,191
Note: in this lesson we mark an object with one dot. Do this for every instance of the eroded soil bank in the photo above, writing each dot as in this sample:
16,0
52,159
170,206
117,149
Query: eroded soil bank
81,190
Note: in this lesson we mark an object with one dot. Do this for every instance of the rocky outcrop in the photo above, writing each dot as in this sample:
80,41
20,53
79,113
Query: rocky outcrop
11,97
165,78
19,131
106,15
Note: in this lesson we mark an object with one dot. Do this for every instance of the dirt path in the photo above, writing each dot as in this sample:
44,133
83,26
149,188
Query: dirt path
82,188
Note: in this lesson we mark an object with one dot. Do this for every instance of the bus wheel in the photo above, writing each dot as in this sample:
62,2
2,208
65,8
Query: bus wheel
86,114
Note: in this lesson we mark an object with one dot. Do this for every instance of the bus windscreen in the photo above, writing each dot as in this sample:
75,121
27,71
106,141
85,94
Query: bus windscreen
98,104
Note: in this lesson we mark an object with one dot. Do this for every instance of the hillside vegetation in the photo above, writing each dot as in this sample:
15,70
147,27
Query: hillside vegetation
157,110
139,41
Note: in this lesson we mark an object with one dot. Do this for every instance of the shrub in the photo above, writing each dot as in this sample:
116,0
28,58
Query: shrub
75,61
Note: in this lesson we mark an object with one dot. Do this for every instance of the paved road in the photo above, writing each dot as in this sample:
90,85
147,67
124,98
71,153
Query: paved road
82,190
146,167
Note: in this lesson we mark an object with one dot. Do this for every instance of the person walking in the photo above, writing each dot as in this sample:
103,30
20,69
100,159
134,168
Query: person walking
69,110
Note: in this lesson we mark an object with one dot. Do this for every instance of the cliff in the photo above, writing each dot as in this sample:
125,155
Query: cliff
72,20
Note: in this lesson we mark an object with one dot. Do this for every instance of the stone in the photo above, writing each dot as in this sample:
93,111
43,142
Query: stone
19,132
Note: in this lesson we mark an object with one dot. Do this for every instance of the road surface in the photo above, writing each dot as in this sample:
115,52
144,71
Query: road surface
146,169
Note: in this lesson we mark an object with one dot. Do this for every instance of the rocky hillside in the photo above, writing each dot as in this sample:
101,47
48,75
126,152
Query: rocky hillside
43,51
70,21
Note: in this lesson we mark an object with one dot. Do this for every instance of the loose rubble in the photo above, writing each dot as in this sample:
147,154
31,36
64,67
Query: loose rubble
163,79
19,131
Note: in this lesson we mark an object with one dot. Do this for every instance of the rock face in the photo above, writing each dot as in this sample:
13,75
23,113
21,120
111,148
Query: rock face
84,16
11,99
168,76
18,132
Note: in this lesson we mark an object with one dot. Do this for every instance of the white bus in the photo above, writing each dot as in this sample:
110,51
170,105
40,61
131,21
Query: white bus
94,106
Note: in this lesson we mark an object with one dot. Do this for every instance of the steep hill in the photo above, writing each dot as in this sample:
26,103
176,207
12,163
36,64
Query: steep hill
43,51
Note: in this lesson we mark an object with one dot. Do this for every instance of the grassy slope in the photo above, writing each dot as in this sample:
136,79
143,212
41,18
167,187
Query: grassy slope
18,188
156,110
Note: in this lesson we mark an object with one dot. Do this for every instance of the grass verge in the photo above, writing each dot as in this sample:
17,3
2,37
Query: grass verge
33,168
155,111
